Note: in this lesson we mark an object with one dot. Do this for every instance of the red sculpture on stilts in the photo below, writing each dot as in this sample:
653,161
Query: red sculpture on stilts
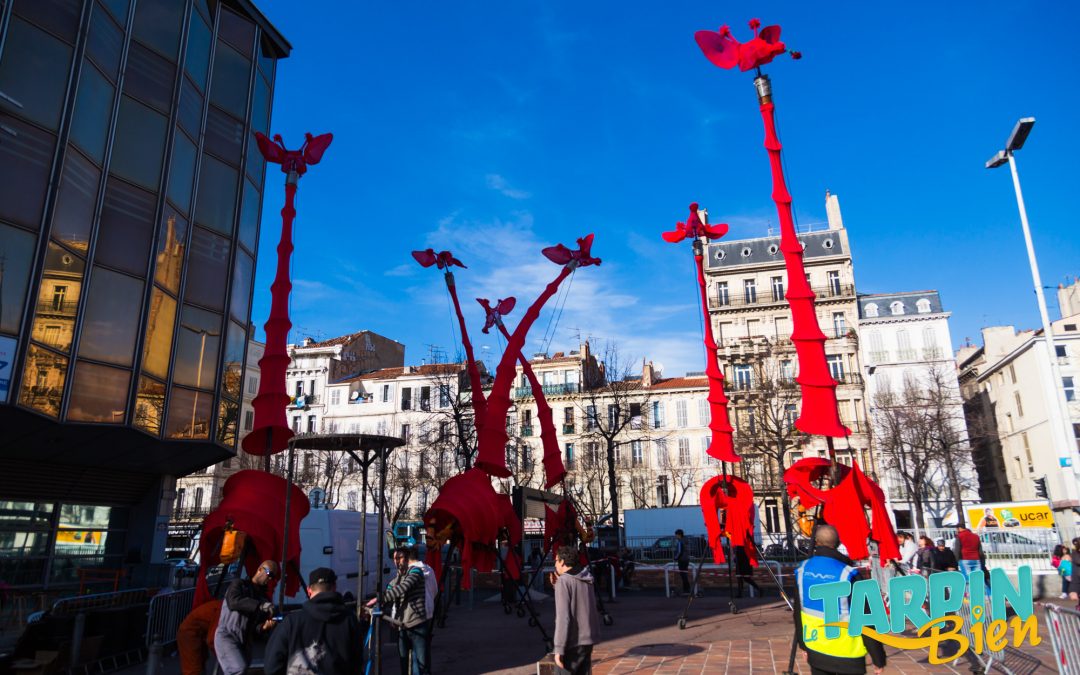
271,432
819,414
735,498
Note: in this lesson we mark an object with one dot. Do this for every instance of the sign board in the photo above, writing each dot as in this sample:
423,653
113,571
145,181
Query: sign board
1010,514
7,359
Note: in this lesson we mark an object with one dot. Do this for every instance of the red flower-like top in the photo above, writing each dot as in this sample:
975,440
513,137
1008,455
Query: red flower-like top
442,259
582,257
727,52
293,160
695,227
495,314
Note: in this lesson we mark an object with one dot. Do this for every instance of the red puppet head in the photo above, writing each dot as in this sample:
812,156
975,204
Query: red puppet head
582,257
725,51
695,227
494,315
293,160
442,259
735,498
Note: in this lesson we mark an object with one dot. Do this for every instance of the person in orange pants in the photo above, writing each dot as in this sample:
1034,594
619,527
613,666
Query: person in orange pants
195,637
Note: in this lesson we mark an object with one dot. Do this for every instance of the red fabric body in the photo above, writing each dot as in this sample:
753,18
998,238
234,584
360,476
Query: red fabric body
560,526
255,503
819,414
726,52
737,503
844,506
475,513
969,544
271,432
491,453
721,446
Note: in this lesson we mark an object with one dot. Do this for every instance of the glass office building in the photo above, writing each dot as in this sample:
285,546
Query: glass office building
130,194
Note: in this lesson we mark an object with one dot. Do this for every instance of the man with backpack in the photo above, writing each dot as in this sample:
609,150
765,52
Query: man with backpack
323,638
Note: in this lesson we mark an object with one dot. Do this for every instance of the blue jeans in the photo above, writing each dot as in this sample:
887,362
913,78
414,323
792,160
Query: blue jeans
416,640
969,566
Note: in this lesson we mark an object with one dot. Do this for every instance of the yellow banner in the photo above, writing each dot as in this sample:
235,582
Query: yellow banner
1010,515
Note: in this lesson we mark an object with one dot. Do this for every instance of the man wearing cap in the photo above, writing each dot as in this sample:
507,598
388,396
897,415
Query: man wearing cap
245,610
324,637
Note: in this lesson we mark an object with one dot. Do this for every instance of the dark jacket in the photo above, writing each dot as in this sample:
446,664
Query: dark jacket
246,606
577,622
323,638
826,565
682,554
407,595
1074,583
924,559
944,559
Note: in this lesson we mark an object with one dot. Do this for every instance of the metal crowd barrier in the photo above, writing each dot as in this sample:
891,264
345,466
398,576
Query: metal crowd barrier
166,613
988,660
1063,624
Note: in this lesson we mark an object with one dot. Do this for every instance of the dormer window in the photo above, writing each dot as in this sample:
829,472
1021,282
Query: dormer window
897,308
871,310
923,306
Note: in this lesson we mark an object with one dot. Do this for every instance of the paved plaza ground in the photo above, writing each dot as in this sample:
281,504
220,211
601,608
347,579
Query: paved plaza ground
645,639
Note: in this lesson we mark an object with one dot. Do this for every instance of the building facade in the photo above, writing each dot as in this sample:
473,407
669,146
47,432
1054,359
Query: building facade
752,323
1008,392
129,224
905,347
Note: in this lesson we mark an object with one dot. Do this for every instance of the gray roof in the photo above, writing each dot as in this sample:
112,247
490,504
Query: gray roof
909,300
767,249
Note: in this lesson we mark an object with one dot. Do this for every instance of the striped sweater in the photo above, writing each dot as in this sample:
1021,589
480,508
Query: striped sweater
406,595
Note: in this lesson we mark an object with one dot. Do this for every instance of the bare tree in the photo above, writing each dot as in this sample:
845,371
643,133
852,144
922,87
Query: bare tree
764,403
587,481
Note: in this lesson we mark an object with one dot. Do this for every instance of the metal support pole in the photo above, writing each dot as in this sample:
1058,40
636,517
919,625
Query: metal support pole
285,533
379,509
363,538
77,634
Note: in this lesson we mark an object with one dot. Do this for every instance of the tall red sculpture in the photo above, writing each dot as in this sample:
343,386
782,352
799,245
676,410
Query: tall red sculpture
721,446
554,471
271,432
735,498
852,490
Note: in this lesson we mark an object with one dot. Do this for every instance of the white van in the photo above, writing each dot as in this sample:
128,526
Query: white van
328,538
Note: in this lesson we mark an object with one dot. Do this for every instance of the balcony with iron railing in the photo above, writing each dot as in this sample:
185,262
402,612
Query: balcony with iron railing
933,353
878,357
189,513
567,389
738,297
905,354
57,308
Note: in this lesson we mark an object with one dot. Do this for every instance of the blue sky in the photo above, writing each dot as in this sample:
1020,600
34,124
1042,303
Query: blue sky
494,129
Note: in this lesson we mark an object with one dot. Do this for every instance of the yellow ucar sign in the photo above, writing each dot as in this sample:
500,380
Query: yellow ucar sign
1010,514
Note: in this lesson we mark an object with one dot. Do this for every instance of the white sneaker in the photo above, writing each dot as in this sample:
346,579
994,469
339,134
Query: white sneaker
1063,596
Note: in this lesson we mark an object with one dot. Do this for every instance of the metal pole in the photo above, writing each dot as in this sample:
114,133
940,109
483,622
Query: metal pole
1058,408
379,574
285,532
363,535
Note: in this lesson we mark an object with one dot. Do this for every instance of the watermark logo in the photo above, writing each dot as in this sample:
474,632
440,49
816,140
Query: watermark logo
945,607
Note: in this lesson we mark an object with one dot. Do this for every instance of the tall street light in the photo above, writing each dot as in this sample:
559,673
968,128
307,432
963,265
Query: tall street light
1061,426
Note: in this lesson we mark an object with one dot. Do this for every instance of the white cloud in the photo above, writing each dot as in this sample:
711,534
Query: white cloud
500,185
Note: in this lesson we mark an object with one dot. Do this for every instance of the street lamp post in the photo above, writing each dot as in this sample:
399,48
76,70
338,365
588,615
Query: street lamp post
1061,427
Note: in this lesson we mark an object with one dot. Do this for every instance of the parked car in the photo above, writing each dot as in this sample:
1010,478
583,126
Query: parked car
783,551
664,548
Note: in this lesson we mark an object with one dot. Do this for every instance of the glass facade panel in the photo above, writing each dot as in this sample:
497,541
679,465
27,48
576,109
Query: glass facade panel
189,111
267,61
216,201
157,348
26,159
111,317
98,394
58,298
197,60
119,9
229,86
74,212
224,135
228,414
93,109
44,373
197,344
34,72
182,173
149,77
249,213
243,271
236,30
260,106
139,144
60,17
172,241
233,376
157,23
208,270
126,230
105,44
17,254
189,414
149,406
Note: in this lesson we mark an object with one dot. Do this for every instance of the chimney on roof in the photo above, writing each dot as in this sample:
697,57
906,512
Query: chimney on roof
648,375
832,211
308,341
